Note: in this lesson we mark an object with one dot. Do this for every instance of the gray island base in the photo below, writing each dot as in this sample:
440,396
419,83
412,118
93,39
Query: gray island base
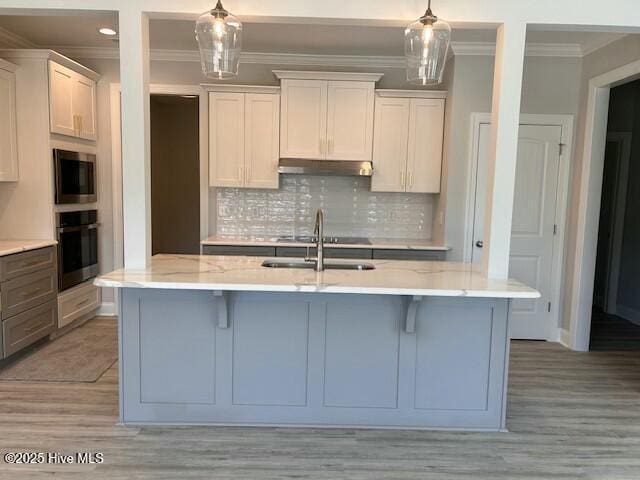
197,350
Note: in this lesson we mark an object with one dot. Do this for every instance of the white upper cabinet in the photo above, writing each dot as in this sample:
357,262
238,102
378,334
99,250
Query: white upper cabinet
72,99
84,104
244,132
408,138
327,115
226,139
61,114
390,144
426,131
349,120
304,119
261,140
8,133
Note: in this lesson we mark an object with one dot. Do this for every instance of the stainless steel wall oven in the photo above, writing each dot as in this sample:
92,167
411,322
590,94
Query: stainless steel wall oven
77,247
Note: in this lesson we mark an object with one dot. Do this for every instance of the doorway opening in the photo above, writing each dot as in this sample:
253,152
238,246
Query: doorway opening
175,174
615,323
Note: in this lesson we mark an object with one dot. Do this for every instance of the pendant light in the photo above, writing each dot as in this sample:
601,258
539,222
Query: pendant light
219,36
426,44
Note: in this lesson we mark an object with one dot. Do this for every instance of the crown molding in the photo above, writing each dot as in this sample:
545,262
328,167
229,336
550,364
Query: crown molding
47,54
393,93
565,50
215,87
591,47
531,50
309,75
11,40
303,59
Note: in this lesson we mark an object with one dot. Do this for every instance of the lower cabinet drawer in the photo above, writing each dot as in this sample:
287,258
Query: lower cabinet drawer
329,252
28,291
390,254
20,264
248,251
76,303
28,327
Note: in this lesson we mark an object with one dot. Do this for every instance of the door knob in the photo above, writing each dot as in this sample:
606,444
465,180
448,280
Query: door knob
479,244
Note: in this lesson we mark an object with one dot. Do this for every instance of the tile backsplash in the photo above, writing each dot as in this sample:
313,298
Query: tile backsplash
351,209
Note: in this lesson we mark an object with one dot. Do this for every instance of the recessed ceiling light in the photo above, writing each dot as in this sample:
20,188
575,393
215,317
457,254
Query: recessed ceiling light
107,31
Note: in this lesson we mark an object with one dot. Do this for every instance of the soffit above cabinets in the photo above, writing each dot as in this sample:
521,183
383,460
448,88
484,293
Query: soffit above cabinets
335,76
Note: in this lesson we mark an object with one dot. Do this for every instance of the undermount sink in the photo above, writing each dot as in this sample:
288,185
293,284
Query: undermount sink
312,265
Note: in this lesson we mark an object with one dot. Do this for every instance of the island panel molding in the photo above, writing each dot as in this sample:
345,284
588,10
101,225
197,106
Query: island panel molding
312,359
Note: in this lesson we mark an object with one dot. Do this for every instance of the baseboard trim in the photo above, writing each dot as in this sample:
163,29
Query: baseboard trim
565,338
628,313
106,309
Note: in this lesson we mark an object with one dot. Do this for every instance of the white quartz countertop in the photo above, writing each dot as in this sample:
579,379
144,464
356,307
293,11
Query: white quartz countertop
376,243
9,247
391,277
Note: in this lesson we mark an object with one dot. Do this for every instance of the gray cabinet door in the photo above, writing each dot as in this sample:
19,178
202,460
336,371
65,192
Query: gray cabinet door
170,349
455,361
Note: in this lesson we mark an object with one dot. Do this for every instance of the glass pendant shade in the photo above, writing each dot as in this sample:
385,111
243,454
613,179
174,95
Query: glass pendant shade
219,36
426,46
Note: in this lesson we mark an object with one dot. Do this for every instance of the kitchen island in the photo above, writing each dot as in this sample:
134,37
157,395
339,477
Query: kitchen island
227,341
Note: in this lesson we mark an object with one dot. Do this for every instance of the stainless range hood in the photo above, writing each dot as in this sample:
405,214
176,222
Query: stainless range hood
325,167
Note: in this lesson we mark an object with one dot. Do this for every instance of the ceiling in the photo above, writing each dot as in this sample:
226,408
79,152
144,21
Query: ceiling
81,31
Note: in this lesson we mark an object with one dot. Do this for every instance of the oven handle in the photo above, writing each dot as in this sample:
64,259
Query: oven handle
91,226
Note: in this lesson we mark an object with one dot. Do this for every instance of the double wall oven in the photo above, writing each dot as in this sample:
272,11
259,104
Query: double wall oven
77,230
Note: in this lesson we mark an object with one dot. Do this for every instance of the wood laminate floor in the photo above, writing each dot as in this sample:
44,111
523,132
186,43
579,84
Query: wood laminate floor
571,416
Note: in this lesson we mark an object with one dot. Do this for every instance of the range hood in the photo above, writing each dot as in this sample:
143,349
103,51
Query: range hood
325,167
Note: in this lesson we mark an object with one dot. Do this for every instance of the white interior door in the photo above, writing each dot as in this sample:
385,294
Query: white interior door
532,233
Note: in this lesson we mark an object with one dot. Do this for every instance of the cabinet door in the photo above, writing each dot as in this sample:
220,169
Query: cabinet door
426,127
390,144
350,120
303,126
8,135
226,139
261,139
84,106
61,86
